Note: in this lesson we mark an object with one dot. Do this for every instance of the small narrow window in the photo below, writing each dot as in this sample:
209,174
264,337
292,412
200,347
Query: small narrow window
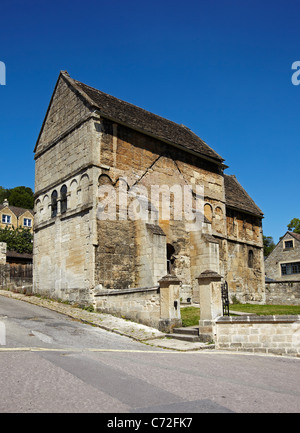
288,244
63,199
6,219
27,222
250,259
54,204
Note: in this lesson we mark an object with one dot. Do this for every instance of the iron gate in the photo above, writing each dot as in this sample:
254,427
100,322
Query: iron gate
225,299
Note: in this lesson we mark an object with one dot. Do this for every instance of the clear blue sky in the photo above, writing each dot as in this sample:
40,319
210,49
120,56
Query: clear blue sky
221,67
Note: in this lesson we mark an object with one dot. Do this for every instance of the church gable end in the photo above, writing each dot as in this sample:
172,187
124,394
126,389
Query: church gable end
66,109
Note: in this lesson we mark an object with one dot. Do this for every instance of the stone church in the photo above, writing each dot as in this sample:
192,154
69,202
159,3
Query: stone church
100,229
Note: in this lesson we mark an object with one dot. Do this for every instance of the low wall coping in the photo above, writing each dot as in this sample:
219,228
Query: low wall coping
257,319
282,281
126,291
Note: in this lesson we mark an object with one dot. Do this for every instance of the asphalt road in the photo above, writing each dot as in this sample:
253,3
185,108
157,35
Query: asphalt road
51,363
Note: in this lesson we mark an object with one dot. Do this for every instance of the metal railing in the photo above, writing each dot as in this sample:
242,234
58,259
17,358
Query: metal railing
225,299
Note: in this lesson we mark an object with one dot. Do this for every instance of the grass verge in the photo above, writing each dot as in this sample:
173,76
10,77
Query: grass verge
266,310
190,315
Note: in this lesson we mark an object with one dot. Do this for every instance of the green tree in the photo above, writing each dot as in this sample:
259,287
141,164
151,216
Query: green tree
269,245
294,225
4,193
20,196
19,239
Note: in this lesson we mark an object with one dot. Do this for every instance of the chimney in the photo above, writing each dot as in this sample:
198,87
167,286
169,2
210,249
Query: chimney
5,203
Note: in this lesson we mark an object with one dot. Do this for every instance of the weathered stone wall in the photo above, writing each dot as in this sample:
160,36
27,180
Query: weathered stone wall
281,255
246,283
63,244
241,257
283,292
65,110
150,254
144,161
3,249
139,305
278,335
14,276
17,277
66,155
115,258
4,275
157,306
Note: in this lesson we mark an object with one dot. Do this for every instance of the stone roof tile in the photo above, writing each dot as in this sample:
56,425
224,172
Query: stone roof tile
143,120
237,197
16,210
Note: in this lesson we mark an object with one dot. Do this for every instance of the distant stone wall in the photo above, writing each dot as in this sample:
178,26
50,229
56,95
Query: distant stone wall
283,292
4,275
3,249
16,277
278,335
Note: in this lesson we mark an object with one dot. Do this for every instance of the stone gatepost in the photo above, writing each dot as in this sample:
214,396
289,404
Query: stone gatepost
210,303
3,248
169,303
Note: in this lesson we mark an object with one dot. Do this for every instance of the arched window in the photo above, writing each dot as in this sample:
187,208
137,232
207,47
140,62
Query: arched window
208,213
54,204
250,259
63,199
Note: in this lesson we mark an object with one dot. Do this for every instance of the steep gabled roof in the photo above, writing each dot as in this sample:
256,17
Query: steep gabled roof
142,120
237,197
295,235
18,211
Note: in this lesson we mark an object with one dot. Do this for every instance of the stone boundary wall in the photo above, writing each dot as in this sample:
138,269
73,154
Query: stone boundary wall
283,292
142,305
279,335
16,278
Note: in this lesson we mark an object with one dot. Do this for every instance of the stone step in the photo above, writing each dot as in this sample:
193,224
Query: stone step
187,330
191,334
186,337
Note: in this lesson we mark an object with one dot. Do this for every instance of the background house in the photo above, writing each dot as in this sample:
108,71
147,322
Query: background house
283,263
12,216
15,267
282,268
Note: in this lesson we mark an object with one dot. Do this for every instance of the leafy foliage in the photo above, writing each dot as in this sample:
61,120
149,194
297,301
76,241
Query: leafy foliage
269,245
294,225
19,239
20,196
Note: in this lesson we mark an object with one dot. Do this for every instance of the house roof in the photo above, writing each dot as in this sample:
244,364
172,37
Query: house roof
295,235
18,211
237,197
142,120
15,255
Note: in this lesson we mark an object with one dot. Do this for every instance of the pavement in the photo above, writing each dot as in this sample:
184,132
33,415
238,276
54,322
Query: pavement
136,331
